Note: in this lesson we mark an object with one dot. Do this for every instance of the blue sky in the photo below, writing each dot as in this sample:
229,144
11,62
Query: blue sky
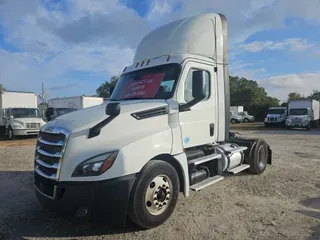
75,45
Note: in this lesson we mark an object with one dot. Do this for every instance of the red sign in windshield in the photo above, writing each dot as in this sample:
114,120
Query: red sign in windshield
147,87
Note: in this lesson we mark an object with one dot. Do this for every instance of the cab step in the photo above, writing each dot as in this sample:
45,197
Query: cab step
239,168
205,183
204,159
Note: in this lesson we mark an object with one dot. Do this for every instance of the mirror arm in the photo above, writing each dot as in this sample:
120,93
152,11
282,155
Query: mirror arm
186,106
95,130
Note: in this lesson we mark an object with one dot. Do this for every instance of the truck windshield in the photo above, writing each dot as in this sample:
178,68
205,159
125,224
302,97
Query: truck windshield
25,113
275,111
299,111
151,83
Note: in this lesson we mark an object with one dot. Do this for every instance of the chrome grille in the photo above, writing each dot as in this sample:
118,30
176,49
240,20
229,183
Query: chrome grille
296,120
49,151
33,125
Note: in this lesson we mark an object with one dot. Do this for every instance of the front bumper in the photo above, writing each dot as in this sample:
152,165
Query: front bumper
22,132
104,200
301,125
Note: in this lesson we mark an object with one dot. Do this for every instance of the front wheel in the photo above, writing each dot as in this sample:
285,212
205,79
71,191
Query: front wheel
155,194
258,158
10,133
246,120
233,121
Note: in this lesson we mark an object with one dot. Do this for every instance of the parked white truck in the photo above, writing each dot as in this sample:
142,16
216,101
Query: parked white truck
61,106
276,116
19,114
133,155
303,113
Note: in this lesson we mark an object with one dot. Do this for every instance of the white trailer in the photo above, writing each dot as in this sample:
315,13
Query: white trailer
19,114
61,106
77,102
132,155
303,113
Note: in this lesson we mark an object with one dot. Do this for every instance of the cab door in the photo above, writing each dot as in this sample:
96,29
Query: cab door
198,124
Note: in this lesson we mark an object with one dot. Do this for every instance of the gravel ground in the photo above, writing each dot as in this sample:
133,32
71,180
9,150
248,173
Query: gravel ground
282,203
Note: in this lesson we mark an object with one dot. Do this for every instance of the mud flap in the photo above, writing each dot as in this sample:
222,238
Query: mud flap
269,155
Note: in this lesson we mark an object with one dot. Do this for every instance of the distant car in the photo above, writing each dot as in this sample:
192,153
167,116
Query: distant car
246,117
235,118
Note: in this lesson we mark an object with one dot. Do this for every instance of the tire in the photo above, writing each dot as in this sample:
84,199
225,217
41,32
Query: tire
233,121
10,134
258,158
155,175
309,127
266,125
246,120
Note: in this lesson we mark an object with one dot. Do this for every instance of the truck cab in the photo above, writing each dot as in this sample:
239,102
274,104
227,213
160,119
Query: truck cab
164,130
299,117
276,116
21,121
303,113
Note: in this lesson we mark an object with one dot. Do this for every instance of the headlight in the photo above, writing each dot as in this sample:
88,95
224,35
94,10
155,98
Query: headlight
288,120
16,126
96,165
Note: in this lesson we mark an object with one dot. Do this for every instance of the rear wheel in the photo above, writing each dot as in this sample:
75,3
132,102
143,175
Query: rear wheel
155,194
258,158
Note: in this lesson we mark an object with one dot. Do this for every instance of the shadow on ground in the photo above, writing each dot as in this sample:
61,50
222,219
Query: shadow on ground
312,203
22,216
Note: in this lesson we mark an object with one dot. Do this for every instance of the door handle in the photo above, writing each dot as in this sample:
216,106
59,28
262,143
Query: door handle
211,126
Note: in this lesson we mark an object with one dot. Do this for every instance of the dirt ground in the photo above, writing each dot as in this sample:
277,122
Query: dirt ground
282,203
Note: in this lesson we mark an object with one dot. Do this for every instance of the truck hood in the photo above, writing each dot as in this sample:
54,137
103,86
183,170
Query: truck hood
88,117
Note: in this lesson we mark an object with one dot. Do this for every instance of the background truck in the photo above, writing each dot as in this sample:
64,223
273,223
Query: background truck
61,106
133,155
239,110
276,116
303,113
19,114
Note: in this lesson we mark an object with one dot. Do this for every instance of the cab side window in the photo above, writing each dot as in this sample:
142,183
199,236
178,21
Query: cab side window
188,86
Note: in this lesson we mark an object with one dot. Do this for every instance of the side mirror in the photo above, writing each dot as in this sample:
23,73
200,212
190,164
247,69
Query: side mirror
11,117
198,85
113,109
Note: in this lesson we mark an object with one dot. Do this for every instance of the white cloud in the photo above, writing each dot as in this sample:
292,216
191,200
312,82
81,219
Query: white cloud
280,86
292,44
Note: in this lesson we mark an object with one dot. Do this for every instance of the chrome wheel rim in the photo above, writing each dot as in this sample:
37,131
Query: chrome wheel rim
158,195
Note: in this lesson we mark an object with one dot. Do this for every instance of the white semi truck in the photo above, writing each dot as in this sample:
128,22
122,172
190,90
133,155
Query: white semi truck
303,113
153,139
61,106
19,114
276,116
